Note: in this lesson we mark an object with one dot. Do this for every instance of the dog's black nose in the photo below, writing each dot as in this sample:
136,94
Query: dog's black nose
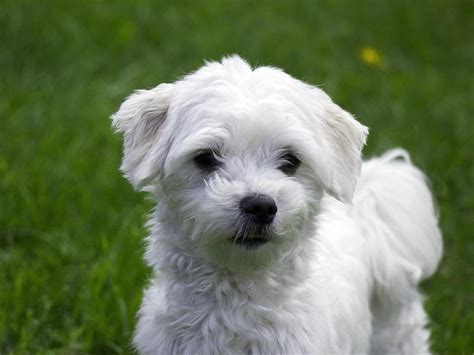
261,208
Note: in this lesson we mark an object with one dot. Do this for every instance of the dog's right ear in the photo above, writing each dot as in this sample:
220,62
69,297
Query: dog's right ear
139,119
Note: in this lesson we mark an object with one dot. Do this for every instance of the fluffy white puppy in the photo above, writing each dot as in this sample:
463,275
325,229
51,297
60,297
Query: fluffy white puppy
270,235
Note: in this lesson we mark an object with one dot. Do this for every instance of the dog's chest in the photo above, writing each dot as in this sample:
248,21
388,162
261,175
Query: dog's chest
231,322
241,324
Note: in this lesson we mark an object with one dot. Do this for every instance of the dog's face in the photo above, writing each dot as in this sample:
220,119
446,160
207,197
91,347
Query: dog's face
240,158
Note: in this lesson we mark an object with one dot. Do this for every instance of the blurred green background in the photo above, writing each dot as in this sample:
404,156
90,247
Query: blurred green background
71,269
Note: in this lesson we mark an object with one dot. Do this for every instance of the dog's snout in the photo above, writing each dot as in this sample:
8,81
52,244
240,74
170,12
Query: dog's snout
261,208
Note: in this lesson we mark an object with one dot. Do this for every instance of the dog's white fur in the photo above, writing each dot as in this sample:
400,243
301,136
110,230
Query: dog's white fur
348,246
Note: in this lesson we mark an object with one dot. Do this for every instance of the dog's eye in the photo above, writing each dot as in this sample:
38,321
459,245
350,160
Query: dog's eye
206,160
289,163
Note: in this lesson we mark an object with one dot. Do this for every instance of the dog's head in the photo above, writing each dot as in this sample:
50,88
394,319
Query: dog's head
240,157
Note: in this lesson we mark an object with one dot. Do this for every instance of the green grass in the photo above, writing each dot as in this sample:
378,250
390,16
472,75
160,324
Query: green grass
71,273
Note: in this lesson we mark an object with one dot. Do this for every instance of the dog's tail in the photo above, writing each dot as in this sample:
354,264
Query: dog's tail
395,209
394,206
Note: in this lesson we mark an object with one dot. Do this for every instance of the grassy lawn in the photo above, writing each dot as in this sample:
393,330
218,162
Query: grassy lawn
71,269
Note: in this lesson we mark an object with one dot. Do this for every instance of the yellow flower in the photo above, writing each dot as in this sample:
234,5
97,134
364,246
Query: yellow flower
370,56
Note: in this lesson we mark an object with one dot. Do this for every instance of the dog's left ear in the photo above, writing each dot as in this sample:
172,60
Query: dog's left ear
344,139
140,118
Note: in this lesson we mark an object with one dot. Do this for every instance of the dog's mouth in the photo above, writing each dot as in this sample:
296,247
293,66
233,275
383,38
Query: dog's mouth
252,239
250,243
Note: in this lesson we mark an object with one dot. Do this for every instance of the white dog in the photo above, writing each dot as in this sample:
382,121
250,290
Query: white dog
271,236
